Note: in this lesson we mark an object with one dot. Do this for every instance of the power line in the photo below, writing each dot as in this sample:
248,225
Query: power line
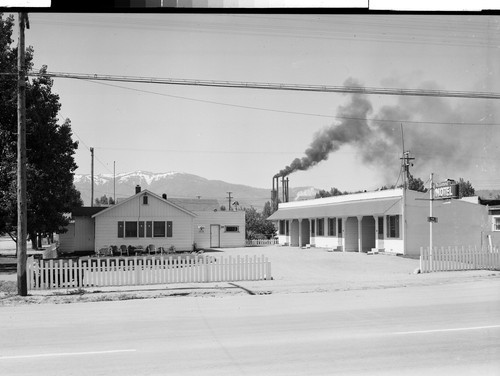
273,86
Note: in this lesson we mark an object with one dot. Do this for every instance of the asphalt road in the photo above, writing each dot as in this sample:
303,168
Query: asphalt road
451,329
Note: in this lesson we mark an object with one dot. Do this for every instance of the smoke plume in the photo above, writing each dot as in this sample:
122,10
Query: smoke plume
434,133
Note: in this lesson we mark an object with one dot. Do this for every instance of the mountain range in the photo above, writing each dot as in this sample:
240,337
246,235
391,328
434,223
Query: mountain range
180,185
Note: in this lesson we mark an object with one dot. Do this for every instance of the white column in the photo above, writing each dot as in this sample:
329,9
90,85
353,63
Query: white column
360,234
343,220
300,232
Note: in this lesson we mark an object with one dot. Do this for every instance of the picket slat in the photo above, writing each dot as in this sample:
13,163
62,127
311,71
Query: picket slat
458,258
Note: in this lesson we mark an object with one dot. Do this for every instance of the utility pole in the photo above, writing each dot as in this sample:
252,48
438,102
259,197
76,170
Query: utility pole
431,220
91,176
22,217
406,177
229,200
114,182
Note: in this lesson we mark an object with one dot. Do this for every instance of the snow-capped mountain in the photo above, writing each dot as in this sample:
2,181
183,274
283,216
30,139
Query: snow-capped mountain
179,184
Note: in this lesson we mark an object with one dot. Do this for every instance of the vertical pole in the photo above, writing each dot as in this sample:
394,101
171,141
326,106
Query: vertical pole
22,286
431,196
92,176
403,210
114,182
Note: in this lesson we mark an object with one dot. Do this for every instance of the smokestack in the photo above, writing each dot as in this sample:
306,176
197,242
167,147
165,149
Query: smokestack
137,189
287,192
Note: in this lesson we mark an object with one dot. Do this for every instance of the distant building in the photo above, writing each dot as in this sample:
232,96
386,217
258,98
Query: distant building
383,220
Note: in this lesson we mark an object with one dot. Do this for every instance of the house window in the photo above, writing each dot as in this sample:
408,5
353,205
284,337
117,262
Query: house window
232,228
496,223
131,229
331,226
169,229
321,226
145,200
158,229
393,226
120,229
340,227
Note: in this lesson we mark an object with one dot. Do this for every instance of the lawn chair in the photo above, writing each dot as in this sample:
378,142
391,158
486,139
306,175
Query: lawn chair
161,250
104,251
123,250
151,248
114,250
139,250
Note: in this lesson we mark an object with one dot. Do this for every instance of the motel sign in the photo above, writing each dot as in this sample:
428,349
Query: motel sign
446,190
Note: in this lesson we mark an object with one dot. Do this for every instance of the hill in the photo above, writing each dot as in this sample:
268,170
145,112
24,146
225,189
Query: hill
180,185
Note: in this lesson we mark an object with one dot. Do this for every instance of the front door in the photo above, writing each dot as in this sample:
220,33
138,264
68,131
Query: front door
214,236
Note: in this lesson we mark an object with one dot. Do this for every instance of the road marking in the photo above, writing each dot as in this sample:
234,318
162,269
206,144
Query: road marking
64,354
449,330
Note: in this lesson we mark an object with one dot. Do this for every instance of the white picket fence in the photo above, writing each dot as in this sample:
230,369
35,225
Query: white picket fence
261,242
458,258
119,271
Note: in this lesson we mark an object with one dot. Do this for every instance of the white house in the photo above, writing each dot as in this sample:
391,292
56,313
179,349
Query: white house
146,218
393,221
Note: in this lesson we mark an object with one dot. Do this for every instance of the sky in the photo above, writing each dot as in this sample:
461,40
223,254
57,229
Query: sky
246,136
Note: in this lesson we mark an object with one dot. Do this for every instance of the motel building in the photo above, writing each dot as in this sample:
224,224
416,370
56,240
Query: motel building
393,221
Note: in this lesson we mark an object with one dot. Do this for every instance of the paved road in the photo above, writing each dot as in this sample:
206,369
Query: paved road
447,329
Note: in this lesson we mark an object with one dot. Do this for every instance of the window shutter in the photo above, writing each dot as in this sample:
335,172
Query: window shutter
141,229
149,229
169,229
120,229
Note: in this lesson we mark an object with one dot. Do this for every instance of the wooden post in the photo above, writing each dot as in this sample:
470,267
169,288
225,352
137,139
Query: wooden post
22,286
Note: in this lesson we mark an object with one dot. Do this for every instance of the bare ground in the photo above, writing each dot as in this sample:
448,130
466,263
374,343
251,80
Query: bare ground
294,270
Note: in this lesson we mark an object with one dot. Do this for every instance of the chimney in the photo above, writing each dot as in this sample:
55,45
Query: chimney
137,189
164,196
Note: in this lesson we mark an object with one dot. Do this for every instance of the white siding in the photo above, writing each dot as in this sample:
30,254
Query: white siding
223,218
106,224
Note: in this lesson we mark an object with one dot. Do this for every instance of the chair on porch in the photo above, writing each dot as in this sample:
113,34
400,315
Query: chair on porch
139,250
124,250
151,249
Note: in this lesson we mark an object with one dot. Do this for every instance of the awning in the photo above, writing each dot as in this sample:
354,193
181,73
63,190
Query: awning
377,207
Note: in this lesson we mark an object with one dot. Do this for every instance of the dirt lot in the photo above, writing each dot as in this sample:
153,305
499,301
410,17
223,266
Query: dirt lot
294,270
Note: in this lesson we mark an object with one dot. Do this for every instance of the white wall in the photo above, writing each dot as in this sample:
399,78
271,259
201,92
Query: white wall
106,224
222,218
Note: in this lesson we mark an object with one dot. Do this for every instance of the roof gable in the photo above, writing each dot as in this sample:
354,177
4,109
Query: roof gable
142,193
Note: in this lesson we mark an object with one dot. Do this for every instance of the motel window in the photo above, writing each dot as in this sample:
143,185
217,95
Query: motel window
120,229
169,229
331,226
380,227
282,227
321,226
313,227
131,229
393,226
158,229
340,228
496,223
232,228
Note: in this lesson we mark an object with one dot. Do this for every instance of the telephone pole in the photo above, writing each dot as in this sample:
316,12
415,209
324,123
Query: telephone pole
22,218
91,176
229,200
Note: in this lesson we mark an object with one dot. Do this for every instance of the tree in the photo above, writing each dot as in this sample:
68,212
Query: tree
416,184
333,192
465,188
256,226
50,148
268,210
104,201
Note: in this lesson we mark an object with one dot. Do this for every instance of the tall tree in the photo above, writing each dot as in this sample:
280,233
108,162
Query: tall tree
465,188
416,184
50,148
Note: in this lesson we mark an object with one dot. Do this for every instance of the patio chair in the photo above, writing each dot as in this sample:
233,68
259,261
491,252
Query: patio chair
139,250
104,251
113,250
151,249
123,250
161,250
131,250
